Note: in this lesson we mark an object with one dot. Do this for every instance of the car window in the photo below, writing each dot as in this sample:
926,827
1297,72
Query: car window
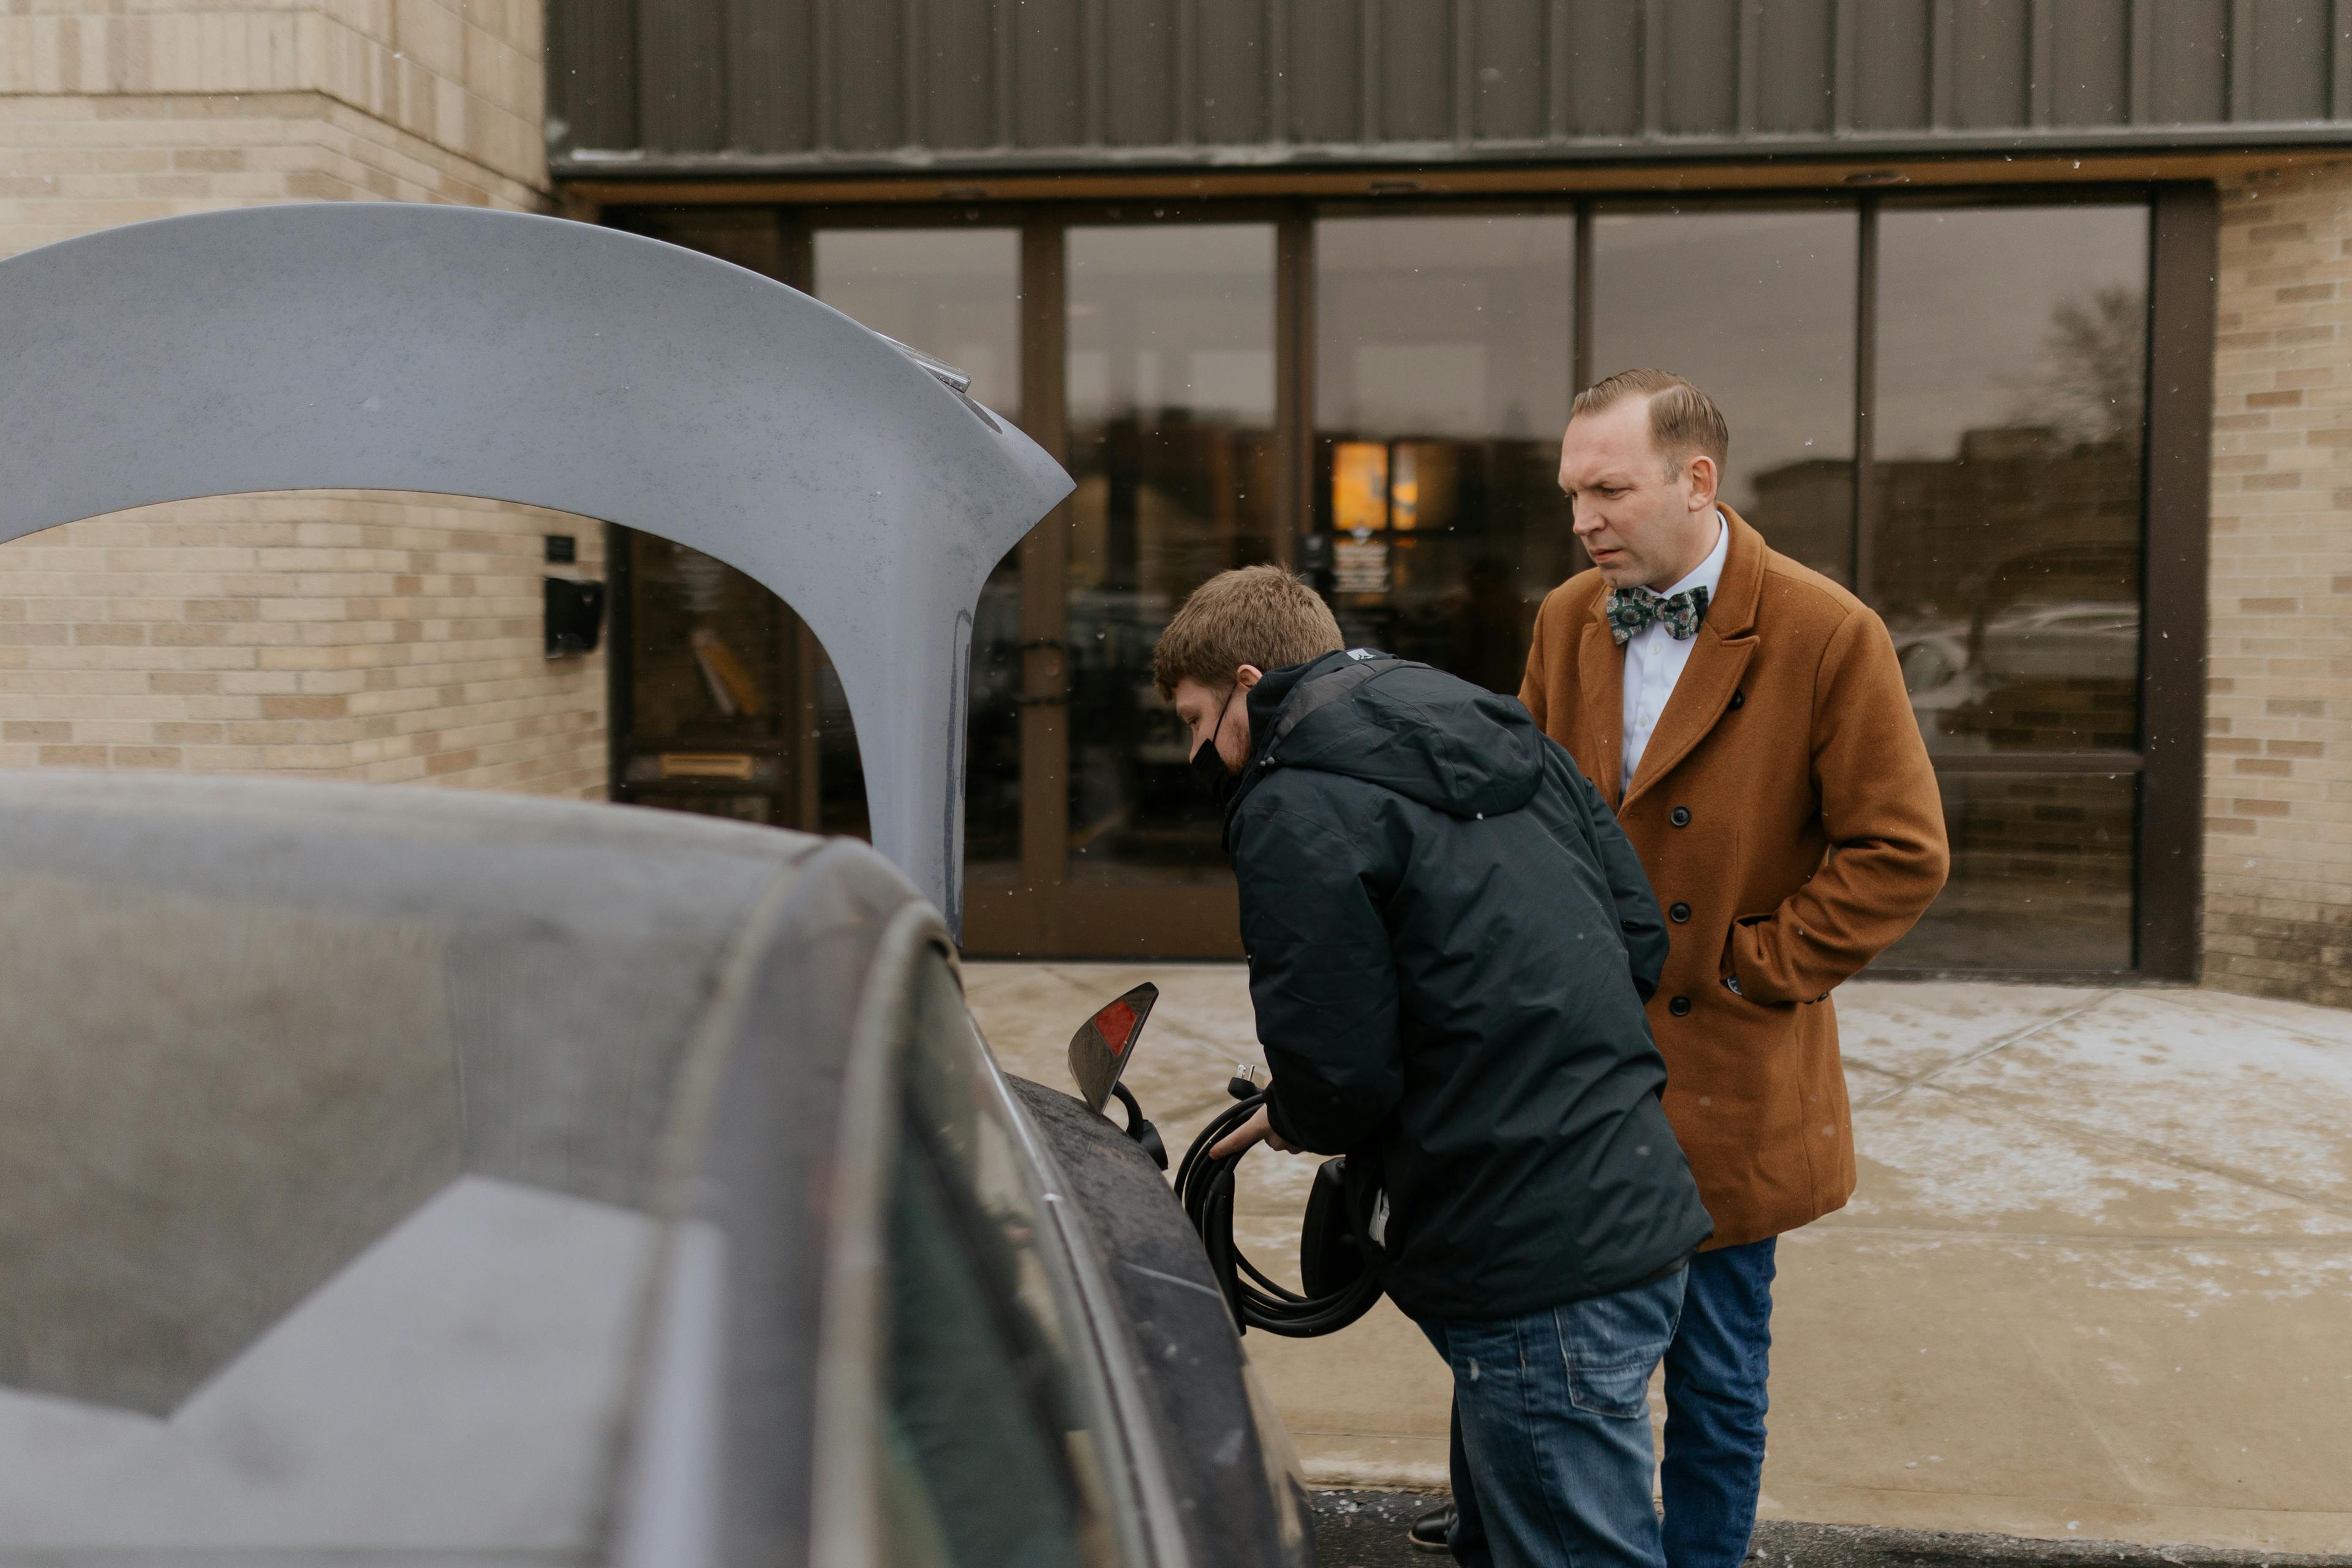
990,1454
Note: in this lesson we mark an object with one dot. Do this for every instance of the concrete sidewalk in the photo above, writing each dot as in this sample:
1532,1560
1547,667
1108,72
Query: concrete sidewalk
2096,1284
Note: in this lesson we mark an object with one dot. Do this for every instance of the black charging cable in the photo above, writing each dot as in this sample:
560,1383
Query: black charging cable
1204,1185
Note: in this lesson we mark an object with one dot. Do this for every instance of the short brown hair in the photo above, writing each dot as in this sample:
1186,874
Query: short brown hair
1685,423
1252,614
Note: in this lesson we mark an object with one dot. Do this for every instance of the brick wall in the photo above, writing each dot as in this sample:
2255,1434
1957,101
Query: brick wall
458,79
334,634
2278,840
337,634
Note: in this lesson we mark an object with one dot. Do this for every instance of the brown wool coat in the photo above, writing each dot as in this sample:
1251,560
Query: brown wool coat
1789,820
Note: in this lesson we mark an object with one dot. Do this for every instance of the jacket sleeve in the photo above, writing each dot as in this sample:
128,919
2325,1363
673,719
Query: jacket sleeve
1644,930
1884,817
1322,978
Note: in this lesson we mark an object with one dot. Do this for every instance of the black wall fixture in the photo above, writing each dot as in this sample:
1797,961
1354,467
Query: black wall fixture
575,616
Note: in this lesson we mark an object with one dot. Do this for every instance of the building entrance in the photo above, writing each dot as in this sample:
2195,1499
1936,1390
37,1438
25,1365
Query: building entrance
1942,403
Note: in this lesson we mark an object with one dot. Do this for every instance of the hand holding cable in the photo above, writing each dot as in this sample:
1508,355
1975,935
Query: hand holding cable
1258,1129
1204,1185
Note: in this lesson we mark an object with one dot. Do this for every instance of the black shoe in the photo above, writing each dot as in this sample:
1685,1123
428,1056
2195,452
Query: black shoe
1430,1528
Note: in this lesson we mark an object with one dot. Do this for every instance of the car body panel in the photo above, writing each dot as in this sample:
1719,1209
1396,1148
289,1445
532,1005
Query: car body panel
526,1136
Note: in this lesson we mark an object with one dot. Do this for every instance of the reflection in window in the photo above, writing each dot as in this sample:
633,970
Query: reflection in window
990,1458
713,672
1170,417
955,294
2012,394
1758,308
2041,875
1443,362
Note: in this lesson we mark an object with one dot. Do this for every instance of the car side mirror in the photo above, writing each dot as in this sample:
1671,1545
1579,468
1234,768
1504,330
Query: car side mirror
1099,1053
1100,1050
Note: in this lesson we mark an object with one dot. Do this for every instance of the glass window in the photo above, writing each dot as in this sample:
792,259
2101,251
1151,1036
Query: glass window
2012,355
991,1455
955,294
1758,308
1172,444
1442,363
2011,378
2041,875
712,682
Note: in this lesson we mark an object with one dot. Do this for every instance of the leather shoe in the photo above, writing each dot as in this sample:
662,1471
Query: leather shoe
1430,1528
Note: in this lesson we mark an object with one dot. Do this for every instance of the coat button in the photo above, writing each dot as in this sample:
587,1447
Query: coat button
1679,816
1679,913
1679,1006
1740,699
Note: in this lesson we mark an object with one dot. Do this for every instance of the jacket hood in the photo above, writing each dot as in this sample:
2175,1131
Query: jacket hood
1428,736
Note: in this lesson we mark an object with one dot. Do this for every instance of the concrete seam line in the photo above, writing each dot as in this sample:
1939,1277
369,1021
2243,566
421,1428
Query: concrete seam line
2002,1044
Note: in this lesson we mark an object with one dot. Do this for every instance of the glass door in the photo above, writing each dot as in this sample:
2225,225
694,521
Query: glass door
2005,552
1757,307
1443,370
1171,397
955,295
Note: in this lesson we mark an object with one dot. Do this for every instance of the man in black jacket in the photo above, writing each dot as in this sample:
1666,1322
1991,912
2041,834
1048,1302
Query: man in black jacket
1450,944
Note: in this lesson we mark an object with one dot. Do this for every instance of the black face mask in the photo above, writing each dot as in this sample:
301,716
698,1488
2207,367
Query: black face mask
1218,780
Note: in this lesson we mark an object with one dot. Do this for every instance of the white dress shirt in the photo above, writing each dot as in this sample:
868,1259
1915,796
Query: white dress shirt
1654,660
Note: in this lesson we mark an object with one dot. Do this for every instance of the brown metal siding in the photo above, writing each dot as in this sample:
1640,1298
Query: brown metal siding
2186,81
1602,45
1889,61
592,82
1507,54
885,84
683,107
1986,65
2286,68
2088,50
1230,47
1791,58
1697,76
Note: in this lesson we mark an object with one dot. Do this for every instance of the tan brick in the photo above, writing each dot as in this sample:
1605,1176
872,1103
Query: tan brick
236,633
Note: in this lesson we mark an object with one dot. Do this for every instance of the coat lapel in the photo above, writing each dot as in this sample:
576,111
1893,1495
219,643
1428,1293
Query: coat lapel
1600,677
1727,641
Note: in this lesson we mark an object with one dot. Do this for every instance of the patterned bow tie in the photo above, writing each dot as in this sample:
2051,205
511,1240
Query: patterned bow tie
1631,612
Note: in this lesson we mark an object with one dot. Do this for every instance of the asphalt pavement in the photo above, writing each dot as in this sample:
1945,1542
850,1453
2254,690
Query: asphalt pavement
1366,1530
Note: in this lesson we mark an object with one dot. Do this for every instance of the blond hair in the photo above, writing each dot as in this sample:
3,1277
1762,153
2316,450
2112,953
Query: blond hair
1252,614
1685,423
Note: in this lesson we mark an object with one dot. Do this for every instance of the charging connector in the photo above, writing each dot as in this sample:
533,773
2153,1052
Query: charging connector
1340,1288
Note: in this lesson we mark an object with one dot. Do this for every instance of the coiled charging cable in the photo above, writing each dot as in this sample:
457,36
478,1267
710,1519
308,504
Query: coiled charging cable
1204,1185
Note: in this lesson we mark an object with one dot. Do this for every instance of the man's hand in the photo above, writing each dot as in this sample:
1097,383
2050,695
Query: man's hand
1256,1130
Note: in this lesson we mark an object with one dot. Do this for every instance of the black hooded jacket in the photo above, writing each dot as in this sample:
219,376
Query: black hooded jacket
1450,944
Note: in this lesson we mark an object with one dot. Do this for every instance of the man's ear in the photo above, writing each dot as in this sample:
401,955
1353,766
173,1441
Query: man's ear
1247,676
1705,479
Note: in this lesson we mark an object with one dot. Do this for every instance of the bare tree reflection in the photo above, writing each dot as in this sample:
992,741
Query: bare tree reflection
2091,385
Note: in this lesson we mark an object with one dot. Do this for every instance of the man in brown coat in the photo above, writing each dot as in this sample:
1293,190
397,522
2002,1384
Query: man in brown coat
1746,719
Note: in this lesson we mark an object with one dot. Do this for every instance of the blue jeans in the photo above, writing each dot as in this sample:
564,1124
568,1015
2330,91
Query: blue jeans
1551,1454
1716,1372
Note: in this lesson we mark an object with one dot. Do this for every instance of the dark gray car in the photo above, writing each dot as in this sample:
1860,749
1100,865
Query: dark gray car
396,1175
